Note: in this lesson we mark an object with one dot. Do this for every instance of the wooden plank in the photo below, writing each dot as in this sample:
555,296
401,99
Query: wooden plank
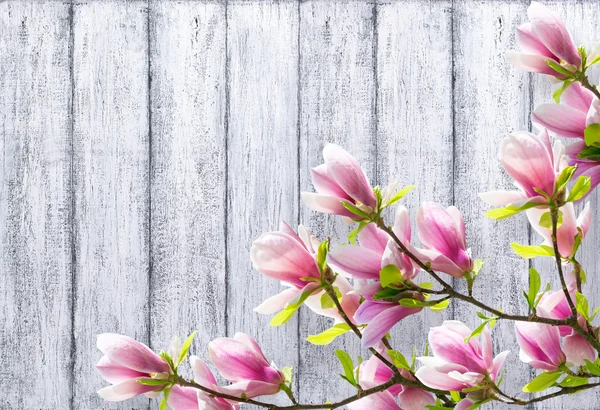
188,191
262,173
35,206
414,132
490,101
111,152
337,94
581,19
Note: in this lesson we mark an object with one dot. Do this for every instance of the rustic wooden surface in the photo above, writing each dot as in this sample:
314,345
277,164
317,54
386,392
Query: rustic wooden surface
146,144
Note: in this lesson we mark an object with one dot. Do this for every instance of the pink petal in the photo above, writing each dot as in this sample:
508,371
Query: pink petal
277,302
464,404
370,309
561,119
578,350
373,238
437,380
530,43
501,198
325,203
252,388
459,221
498,363
202,374
114,373
251,343
438,262
578,97
325,183
415,399
593,115
540,343
355,261
584,220
348,174
553,33
402,224
183,398
487,351
532,63
383,322
125,390
131,353
377,401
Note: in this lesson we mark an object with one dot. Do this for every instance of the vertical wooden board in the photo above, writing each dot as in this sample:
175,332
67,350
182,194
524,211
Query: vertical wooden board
111,152
490,101
262,172
35,205
414,114
581,20
337,105
187,49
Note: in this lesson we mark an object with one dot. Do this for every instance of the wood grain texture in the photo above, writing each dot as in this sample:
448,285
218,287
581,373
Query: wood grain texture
188,172
581,20
414,122
337,95
111,161
491,99
262,170
35,206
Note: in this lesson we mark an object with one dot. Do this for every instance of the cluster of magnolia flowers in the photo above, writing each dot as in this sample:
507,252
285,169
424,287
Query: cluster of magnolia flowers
375,280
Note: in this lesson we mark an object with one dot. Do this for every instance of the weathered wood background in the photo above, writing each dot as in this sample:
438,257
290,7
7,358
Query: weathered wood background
145,144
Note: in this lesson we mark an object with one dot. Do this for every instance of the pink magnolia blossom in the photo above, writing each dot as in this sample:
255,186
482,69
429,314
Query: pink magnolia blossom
188,398
125,362
544,38
540,345
442,233
567,230
241,361
533,163
456,364
339,179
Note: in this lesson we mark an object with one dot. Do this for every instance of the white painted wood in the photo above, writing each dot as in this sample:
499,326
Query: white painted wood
414,129
491,99
337,105
262,170
581,20
188,172
35,206
111,216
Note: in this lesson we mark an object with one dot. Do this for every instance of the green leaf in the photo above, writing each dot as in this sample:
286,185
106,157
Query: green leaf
164,402
508,211
535,283
564,178
287,313
185,348
348,366
455,396
152,382
437,407
386,293
327,302
592,367
546,220
591,134
582,186
399,360
168,359
478,404
438,307
354,233
329,335
582,305
477,265
288,373
350,207
573,381
400,194
413,303
558,68
589,152
532,251
557,94
476,332
390,275
542,381
322,256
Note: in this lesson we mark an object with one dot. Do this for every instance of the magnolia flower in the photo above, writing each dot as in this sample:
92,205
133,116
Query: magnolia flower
540,345
533,164
241,361
442,233
188,398
456,364
125,362
374,373
339,179
567,231
544,38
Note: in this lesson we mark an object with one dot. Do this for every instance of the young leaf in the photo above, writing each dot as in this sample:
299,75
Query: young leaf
152,382
589,152
455,396
591,134
477,265
329,335
350,207
185,348
558,68
476,332
546,220
348,366
322,255
354,233
557,94
582,305
532,251
288,373
573,381
327,302
592,367
399,360
287,313
508,211
163,403
535,283
479,404
438,307
542,382
400,194
582,186
390,275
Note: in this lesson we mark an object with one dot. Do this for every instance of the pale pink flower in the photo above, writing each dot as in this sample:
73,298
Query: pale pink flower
125,362
540,345
544,38
456,364
442,233
534,165
567,231
339,179
241,361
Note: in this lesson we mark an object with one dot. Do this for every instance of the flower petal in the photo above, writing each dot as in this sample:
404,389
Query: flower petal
125,390
355,261
325,203
131,353
561,119
383,322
